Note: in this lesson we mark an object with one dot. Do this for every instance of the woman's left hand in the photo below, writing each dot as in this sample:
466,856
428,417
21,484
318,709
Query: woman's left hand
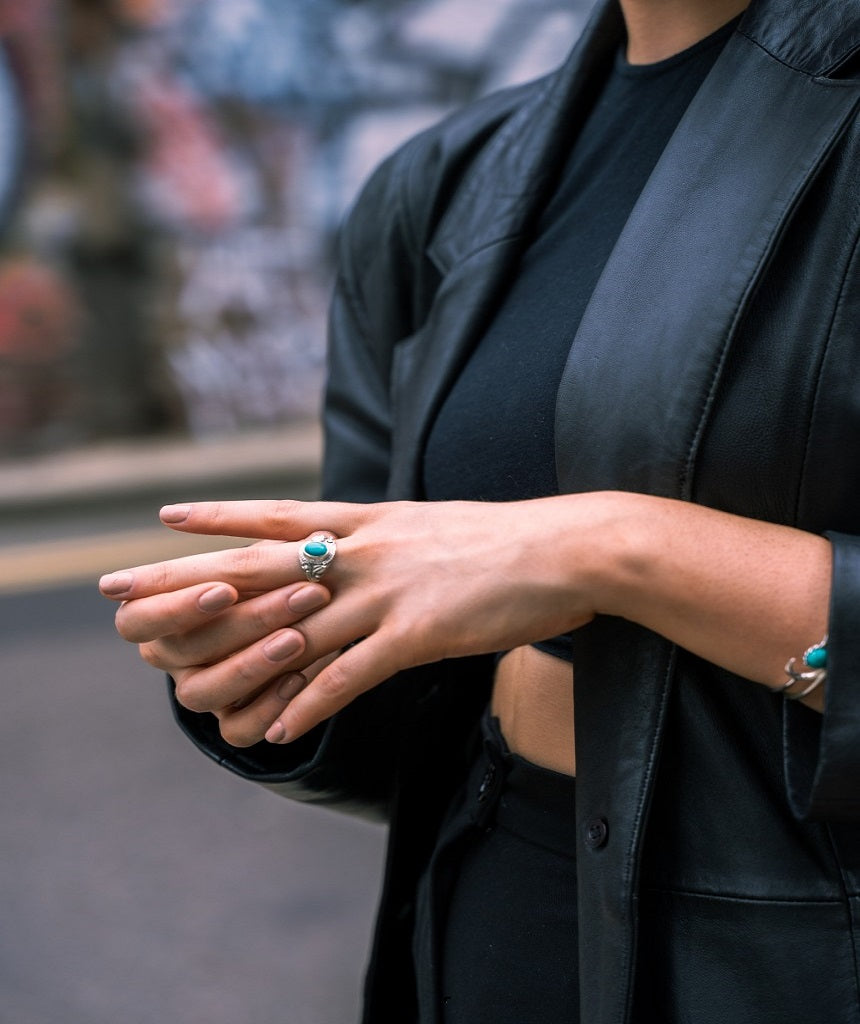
415,582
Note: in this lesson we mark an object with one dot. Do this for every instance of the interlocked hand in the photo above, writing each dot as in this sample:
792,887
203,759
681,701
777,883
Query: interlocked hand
245,636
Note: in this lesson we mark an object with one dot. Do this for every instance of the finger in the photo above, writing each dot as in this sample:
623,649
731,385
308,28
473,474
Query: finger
245,721
357,669
282,519
325,633
192,616
150,617
212,687
236,628
256,567
243,724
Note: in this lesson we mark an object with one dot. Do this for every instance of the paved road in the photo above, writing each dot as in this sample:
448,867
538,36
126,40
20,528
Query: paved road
140,884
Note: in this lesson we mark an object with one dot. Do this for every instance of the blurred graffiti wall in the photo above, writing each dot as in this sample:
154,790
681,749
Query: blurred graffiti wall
172,176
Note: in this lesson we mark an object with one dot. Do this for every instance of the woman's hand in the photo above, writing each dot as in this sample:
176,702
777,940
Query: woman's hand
183,632
416,582
419,582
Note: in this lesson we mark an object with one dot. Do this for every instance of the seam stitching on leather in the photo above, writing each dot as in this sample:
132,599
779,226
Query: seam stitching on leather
688,467
773,56
741,898
850,262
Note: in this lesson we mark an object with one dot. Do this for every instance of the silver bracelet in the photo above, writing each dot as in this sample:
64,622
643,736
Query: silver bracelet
815,673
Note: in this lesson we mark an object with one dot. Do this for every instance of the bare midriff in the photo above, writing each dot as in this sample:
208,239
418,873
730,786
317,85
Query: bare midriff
533,700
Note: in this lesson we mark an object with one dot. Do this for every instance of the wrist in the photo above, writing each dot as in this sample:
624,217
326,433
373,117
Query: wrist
628,543
613,549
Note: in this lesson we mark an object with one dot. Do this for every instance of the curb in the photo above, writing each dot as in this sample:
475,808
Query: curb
67,518
124,471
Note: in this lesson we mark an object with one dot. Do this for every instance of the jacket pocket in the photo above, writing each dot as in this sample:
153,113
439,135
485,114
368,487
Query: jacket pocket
723,960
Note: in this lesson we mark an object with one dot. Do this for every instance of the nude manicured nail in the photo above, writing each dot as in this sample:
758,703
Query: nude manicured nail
215,599
175,513
281,647
115,584
308,599
276,733
291,685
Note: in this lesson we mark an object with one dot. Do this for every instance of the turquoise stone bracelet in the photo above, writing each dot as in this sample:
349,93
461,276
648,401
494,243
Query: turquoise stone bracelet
816,657
815,661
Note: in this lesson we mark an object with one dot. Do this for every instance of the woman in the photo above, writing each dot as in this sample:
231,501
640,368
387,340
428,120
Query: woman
699,535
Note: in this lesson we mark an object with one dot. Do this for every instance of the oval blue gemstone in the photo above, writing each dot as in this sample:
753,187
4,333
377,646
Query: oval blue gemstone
315,548
817,658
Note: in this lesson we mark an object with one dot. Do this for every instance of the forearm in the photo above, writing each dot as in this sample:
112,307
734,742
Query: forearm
744,594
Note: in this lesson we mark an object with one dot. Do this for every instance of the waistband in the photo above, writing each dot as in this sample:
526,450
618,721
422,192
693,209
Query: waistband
506,790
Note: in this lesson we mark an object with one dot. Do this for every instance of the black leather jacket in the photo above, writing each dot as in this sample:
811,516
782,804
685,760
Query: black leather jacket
718,362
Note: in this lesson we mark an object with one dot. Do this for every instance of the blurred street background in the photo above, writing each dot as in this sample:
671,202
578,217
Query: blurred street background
172,178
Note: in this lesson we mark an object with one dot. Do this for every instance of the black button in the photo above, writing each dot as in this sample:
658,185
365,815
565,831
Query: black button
486,783
596,833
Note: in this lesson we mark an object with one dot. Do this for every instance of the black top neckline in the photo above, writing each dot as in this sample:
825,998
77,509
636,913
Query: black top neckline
717,38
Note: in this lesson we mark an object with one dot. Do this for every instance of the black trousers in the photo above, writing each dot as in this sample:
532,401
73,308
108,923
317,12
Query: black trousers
495,939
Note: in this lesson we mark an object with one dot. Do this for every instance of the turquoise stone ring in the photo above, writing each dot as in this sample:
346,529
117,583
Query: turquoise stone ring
316,555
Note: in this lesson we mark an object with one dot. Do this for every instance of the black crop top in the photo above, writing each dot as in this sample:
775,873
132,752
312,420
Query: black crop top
493,437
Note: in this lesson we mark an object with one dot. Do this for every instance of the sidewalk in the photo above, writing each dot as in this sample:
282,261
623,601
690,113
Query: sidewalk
69,517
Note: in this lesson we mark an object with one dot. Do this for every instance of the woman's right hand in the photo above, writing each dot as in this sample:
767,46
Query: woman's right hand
182,632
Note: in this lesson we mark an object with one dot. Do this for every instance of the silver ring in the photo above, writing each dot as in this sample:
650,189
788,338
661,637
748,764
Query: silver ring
316,554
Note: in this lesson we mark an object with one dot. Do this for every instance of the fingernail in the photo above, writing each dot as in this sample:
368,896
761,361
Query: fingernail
291,685
276,733
115,584
215,599
282,646
308,599
175,513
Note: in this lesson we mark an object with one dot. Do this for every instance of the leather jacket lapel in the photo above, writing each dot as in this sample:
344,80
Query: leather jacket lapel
813,37
657,331
480,238
632,407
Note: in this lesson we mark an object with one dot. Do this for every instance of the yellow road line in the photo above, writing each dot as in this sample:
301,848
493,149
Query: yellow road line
34,566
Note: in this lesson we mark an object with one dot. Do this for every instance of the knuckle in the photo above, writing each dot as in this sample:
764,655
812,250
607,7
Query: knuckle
215,513
151,654
266,617
161,578
131,624
281,512
333,683
238,733
125,625
169,652
404,635
246,671
249,561
190,694
164,654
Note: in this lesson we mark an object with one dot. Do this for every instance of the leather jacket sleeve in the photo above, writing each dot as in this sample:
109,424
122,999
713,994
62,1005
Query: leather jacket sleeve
823,775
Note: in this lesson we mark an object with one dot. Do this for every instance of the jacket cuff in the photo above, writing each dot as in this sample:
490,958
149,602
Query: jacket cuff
335,764
822,752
